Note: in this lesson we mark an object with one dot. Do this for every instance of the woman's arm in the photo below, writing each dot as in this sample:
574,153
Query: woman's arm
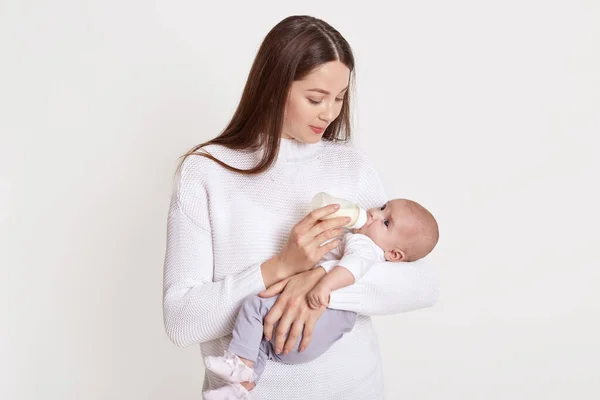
196,309
387,288
390,288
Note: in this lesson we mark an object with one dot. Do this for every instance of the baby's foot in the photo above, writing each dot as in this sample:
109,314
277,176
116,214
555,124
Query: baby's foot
229,392
230,367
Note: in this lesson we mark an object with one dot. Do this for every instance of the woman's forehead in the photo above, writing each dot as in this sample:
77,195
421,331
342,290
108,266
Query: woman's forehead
331,77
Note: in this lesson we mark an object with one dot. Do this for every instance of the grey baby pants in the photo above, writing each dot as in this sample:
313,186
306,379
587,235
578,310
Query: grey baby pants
248,340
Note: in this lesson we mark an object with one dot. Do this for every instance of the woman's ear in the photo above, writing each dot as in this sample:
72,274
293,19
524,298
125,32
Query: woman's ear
395,255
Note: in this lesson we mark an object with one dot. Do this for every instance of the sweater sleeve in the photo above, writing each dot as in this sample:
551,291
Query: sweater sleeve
387,287
196,309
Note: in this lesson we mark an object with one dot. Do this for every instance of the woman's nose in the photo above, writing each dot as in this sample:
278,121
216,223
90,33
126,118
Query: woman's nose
327,114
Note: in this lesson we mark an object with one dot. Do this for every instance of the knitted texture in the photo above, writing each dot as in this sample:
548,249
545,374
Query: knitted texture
223,225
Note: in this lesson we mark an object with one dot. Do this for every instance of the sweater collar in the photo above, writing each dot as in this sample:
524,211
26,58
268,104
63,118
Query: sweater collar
293,151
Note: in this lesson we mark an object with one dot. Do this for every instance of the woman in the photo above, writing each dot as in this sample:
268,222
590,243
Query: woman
239,221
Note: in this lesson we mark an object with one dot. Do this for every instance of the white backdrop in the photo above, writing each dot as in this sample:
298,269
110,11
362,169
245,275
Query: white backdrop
482,111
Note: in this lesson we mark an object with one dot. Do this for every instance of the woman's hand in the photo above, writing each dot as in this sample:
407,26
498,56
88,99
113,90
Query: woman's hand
291,309
303,249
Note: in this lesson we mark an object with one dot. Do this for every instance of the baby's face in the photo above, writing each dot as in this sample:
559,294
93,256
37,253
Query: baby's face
384,224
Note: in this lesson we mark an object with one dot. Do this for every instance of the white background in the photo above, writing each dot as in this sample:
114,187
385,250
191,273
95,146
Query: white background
482,111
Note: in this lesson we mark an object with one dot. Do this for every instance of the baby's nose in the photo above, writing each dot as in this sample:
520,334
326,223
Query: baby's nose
373,214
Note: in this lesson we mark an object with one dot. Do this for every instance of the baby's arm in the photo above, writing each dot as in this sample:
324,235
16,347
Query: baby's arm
337,278
359,253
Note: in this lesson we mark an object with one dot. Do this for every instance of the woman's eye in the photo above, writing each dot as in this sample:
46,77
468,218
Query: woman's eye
386,222
315,101
336,99
383,208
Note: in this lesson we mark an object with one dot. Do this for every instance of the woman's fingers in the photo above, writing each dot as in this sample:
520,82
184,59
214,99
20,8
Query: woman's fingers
277,310
327,229
272,317
291,306
327,248
283,328
292,338
274,289
315,215
302,249
309,327
325,236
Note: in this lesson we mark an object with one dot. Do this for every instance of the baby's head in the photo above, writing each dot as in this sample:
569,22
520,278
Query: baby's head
404,229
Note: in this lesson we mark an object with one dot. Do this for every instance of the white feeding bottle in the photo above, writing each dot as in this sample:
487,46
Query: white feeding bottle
357,214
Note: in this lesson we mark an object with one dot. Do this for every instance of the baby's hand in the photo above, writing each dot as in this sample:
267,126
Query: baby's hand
318,296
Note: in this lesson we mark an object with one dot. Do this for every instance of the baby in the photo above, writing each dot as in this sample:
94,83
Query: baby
399,231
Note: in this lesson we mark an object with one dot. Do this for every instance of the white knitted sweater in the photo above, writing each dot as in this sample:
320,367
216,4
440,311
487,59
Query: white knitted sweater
222,225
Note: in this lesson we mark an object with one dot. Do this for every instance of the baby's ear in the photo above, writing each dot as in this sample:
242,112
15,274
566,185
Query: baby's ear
395,255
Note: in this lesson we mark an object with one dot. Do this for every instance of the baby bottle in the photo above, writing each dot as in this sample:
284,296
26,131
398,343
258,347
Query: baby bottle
347,209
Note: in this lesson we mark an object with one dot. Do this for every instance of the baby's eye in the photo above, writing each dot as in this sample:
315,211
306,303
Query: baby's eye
386,222
383,208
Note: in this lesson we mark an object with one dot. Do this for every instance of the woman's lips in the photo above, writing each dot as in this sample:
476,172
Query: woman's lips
316,129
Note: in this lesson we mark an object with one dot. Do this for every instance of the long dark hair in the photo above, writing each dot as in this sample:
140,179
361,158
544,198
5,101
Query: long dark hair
289,52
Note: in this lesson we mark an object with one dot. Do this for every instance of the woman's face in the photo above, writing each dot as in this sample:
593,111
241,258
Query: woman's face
315,101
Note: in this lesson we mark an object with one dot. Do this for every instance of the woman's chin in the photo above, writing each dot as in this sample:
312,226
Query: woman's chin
311,139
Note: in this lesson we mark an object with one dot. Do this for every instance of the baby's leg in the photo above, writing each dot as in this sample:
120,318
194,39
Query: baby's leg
248,329
236,364
248,341
263,355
